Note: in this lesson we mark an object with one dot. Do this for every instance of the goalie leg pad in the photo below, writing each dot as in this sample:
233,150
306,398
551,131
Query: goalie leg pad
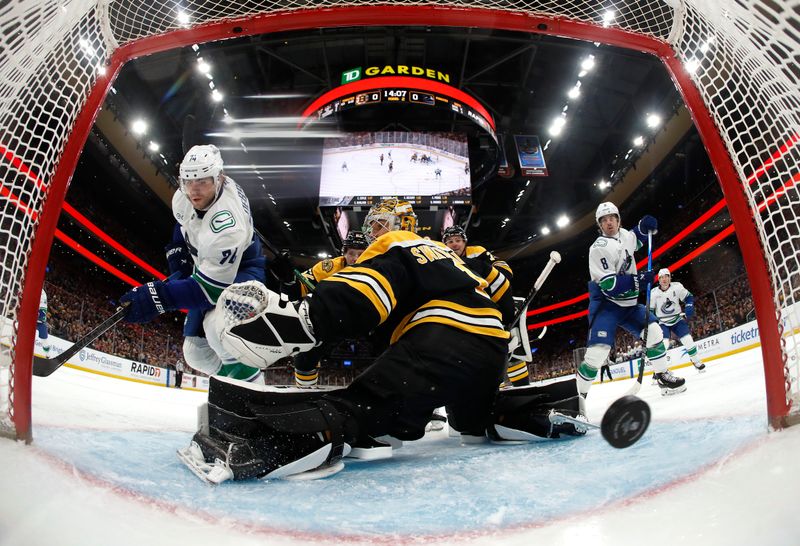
272,441
236,396
525,411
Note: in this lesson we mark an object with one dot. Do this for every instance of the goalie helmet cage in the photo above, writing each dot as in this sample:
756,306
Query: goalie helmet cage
735,64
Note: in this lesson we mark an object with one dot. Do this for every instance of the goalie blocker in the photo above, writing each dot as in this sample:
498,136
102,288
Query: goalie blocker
251,431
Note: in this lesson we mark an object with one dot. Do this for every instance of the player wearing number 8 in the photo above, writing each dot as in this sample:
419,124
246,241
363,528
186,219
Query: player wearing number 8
213,246
613,299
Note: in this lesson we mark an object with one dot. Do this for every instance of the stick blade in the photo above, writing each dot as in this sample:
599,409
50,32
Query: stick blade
42,367
634,389
625,421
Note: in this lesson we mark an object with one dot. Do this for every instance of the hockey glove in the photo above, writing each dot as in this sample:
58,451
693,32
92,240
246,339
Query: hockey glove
646,279
689,310
178,259
259,328
648,224
282,267
147,302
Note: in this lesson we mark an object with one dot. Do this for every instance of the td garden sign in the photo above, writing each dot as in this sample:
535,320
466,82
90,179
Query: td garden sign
355,74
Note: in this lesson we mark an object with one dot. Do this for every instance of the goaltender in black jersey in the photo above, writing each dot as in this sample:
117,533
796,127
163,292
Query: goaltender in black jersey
446,347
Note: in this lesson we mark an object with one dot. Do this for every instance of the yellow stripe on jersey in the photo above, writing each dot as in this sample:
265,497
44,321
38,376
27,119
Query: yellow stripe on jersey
518,366
498,285
372,285
322,270
478,320
384,242
500,264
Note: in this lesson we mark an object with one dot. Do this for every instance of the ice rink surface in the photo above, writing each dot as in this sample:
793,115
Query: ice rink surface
102,470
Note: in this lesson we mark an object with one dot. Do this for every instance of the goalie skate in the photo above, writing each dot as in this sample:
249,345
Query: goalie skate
579,423
212,473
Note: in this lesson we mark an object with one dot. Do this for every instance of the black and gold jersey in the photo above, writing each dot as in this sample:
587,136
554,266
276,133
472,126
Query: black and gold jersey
399,282
322,270
479,253
498,276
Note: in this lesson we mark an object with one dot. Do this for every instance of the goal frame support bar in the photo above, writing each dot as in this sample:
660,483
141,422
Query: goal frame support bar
359,16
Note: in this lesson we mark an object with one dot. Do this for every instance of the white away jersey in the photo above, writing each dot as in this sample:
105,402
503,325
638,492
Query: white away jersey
666,304
216,238
610,256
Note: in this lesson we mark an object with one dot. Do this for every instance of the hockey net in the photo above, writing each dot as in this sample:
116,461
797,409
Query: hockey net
735,62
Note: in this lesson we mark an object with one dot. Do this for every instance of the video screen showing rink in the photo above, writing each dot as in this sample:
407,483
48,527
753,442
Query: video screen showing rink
425,168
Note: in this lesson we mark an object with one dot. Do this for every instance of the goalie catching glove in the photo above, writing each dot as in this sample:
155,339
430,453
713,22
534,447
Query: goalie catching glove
260,328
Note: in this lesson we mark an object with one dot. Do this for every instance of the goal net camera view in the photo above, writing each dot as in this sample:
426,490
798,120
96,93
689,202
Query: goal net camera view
425,168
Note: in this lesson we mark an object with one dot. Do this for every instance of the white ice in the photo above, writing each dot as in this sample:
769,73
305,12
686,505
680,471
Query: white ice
102,470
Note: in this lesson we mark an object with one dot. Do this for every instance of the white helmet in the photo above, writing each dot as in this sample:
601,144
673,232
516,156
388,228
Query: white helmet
664,272
604,209
202,161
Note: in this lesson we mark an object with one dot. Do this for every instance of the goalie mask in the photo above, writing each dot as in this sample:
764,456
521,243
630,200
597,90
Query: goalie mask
389,215
202,162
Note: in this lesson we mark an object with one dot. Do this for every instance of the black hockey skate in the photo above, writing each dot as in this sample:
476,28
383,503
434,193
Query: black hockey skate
699,366
670,384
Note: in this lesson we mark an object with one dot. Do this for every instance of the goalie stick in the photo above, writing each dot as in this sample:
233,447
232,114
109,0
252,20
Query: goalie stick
638,384
555,258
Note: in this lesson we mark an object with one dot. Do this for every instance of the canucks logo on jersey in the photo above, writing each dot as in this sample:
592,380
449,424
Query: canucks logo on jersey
668,307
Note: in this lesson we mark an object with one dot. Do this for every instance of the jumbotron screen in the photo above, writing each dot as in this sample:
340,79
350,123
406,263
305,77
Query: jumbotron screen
360,169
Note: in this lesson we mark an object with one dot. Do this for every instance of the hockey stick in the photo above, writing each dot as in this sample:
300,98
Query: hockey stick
42,367
638,385
555,258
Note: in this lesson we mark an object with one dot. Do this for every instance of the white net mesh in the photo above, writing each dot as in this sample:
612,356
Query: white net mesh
742,56
243,301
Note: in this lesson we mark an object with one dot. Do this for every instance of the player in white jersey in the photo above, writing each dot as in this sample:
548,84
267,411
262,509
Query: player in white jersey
213,246
613,299
665,301
41,324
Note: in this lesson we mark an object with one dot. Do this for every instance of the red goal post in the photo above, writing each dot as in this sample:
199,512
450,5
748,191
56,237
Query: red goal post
734,63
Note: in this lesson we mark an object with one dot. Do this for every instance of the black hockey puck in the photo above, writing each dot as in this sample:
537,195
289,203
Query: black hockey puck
625,421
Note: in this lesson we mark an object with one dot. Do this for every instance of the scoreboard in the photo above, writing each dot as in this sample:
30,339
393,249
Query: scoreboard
415,200
399,90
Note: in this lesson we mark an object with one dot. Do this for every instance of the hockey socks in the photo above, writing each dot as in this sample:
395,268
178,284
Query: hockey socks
585,376
306,379
239,371
518,373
